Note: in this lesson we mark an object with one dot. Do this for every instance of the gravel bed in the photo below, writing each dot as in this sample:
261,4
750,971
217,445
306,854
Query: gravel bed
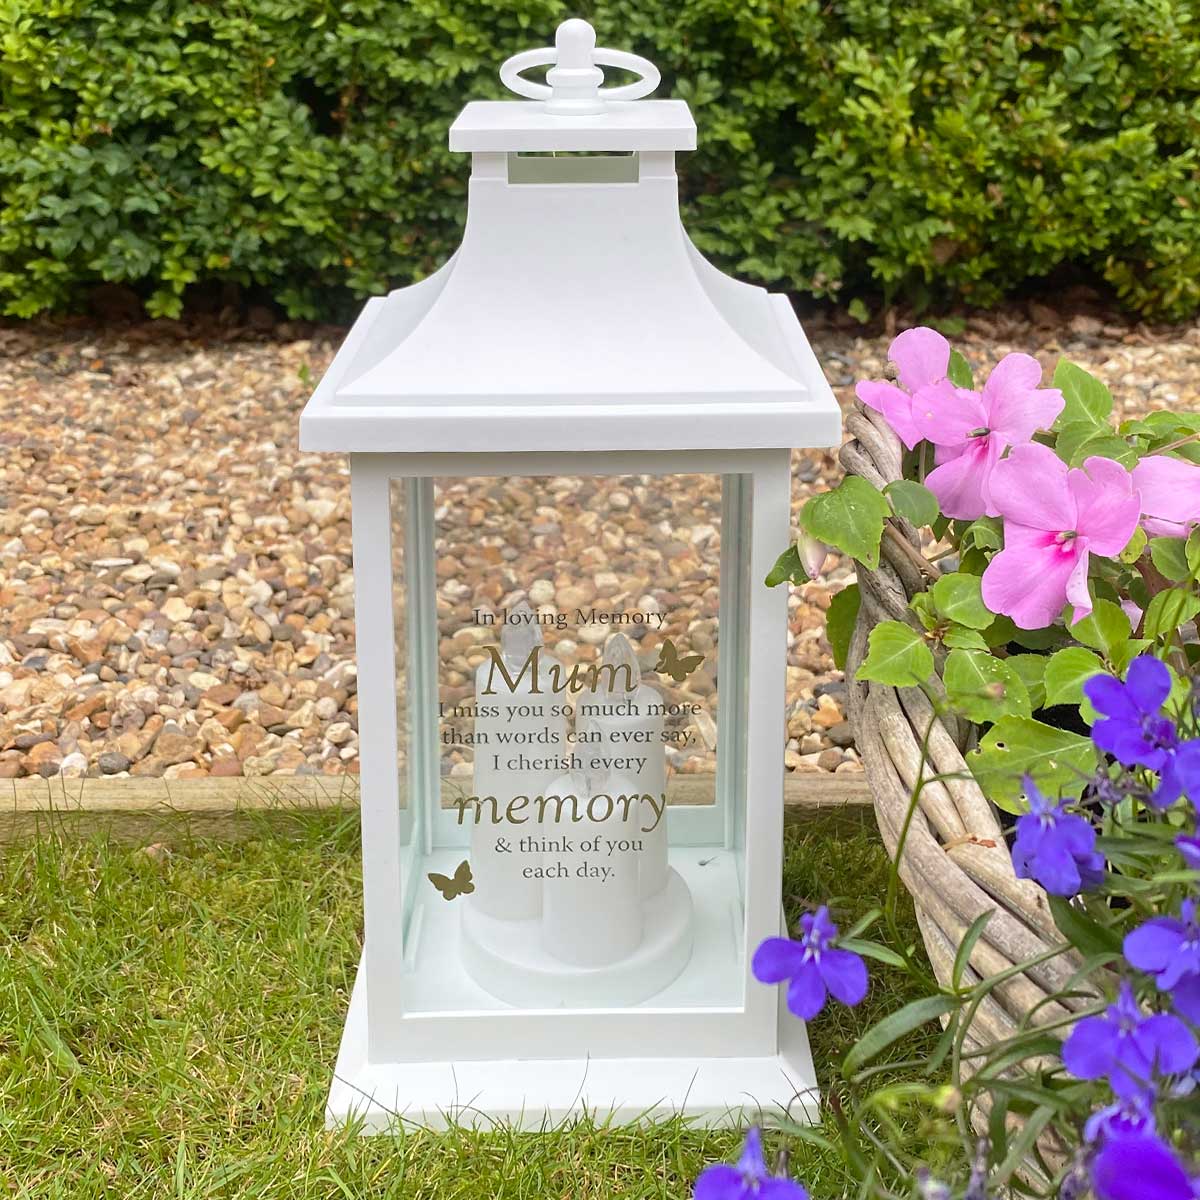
176,596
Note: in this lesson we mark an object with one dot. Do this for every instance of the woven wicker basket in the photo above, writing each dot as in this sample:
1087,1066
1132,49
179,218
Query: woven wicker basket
955,861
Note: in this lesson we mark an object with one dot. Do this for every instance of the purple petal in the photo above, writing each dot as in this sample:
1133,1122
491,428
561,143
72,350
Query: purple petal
1189,847
1186,998
1148,683
806,993
1090,1050
776,959
1167,1043
751,1163
780,1189
1055,869
844,974
1124,740
1154,945
1111,697
1186,768
921,355
1139,1168
720,1182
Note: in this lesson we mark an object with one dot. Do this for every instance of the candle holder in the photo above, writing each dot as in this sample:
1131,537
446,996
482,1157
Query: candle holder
570,469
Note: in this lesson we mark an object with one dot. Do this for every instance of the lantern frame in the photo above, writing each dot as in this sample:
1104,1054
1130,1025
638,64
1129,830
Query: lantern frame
529,1066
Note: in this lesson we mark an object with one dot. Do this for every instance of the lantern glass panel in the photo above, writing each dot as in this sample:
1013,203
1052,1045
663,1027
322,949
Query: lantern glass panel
570,739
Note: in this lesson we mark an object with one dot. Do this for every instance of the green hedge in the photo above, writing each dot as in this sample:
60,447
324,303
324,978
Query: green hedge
916,149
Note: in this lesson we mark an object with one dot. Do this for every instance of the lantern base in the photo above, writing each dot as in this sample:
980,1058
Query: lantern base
533,1095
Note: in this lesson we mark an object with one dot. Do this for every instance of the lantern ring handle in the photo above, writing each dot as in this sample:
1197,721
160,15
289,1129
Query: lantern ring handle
573,87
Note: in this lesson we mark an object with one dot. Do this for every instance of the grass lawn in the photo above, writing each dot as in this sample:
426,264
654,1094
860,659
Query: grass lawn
168,1027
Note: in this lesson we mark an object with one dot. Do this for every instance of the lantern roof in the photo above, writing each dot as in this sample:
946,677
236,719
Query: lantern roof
576,314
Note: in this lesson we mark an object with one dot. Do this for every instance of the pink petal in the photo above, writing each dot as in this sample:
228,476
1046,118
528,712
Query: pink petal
1030,488
1156,528
1028,579
921,355
960,484
946,415
1017,408
1108,509
1169,487
895,404
1077,585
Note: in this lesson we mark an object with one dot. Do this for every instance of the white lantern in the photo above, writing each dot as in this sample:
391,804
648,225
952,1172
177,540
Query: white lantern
569,454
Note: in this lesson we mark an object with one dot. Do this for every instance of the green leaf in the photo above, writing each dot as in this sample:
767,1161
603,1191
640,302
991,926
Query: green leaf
840,621
1134,547
1015,746
959,598
1085,397
959,637
788,568
983,687
893,1027
912,501
1032,670
1192,549
883,954
1105,445
1168,610
1082,931
851,517
1067,671
1105,629
897,655
987,533
959,371
973,934
922,604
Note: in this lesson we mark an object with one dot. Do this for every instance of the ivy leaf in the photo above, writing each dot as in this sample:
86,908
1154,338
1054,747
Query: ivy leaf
1168,610
1086,398
959,371
840,621
851,517
1066,673
1106,629
788,568
959,598
912,501
897,656
983,687
1016,746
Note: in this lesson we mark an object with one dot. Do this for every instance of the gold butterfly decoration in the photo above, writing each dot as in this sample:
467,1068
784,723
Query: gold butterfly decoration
671,664
460,885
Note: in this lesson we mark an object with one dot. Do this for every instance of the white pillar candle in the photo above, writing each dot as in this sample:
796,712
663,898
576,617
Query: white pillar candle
519,748
591,903
621,729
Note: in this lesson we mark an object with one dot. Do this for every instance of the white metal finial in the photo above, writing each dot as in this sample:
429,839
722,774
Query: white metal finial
572,86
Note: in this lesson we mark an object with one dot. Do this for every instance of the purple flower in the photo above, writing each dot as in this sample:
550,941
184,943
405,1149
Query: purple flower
812,965
1140,1168
1132,1115
1135,730
1180,775
1167,947
1129,1046
748,1180
1189,847
1055,847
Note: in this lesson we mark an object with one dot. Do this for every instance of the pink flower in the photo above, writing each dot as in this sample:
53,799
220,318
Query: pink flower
972,429
1170,490
1054,519
922,357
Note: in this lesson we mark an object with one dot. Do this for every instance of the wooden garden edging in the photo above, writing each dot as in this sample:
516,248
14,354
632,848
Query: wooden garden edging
149,810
